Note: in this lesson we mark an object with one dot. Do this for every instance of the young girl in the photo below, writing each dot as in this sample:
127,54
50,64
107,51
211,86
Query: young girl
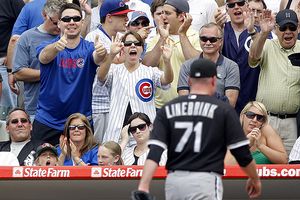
109,153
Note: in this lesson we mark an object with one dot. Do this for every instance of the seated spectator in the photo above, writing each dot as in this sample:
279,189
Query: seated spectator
77,145
46,155
18,126
139,127
132,82
109,153
265,144
8,159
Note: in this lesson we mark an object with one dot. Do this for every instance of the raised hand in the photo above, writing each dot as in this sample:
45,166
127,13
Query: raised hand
99,48
85,7
167,50
220,17
144,32
187,21
74,150
63,144
254,136
163,29
249,19
267,21
116,46
62,43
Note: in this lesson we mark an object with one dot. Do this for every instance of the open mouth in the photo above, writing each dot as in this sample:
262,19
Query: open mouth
133,52
288,38
237,13
48,163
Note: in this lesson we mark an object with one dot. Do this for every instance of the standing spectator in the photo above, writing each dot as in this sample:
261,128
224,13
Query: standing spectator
139,127
9,11
237,38
202,12
95,16
132,82
25,63
109,153
113,16
211,40
46,155
278,78
197,141
173,29
18,126
77,144
257,7
67,69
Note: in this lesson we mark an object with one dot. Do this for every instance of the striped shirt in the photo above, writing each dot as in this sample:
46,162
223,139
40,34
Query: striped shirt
136,88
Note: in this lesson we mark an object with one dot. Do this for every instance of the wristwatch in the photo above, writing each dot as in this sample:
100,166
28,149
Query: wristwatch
253,32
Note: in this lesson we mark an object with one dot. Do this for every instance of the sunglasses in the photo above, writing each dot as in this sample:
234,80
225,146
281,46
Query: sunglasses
137,23
68,18
251,115
239,3
210,39
129,43
287,26
79,127
22,120
141,127
53,22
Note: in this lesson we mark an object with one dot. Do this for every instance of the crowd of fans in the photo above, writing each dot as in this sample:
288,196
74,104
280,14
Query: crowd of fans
81,81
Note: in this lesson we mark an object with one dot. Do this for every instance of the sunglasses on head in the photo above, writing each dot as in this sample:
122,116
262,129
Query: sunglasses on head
251,115
68,18
210,39
137,23
129,43
291,27
53,22
79,127
239,3
22,120
141,127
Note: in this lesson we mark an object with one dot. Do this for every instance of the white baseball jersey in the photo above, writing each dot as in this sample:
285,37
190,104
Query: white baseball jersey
136,88
128,157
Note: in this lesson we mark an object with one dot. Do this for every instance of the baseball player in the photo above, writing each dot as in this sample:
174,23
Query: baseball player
197,129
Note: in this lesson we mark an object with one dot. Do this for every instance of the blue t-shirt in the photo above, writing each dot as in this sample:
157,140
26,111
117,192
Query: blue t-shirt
66,84
89,157
29,17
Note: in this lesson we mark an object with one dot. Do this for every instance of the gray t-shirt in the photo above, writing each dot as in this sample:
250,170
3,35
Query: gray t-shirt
226,69
25,56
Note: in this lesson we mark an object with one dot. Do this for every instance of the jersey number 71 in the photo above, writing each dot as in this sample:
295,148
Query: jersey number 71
189,128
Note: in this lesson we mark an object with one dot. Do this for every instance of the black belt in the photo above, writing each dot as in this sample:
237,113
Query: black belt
283,116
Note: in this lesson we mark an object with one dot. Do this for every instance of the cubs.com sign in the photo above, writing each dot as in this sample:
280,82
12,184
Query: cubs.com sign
30,172
107,172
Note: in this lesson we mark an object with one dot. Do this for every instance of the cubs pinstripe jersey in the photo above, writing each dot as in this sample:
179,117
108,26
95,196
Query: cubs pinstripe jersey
197,130
136,88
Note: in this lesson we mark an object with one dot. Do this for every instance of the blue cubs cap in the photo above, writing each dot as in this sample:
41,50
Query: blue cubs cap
114,7
203,68
181,5
286,16
138,14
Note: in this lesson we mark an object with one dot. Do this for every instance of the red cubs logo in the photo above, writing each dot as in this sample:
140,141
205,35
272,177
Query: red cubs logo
144,90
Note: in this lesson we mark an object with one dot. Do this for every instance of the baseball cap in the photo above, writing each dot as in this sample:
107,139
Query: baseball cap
45,147
295,59
181,5
137,14
114,7
203,68
286,16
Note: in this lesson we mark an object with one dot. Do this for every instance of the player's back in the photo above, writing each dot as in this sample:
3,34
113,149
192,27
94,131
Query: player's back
197,130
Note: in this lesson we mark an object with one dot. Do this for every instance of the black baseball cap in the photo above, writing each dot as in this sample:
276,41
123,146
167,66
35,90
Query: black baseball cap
181,5
286,16
45,147
203,68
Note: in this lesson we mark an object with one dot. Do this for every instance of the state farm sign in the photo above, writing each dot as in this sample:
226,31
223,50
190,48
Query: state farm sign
31,172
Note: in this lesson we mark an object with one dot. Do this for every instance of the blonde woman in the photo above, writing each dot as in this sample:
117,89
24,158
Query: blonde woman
265,144
77,144
109,153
